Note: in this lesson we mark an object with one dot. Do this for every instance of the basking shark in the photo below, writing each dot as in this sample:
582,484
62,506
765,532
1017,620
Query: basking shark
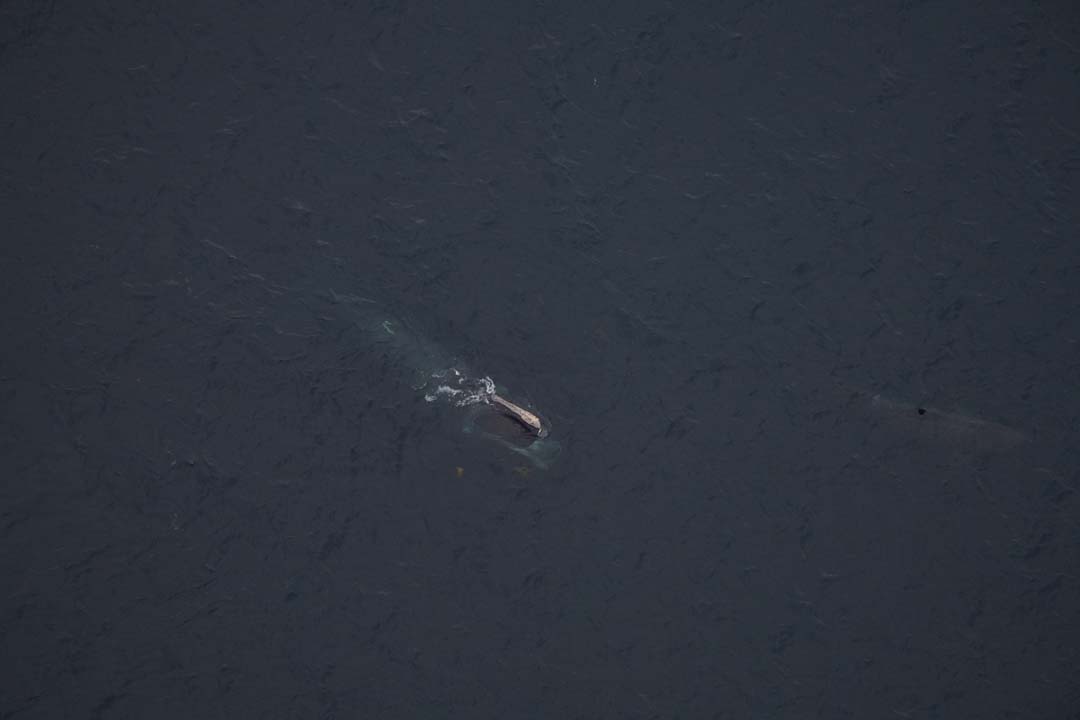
438,377
934,425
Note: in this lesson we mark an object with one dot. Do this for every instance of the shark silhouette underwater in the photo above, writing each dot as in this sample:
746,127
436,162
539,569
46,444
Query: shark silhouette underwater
935,426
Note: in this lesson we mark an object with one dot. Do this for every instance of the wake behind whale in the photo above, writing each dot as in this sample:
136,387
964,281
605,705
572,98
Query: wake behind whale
436,375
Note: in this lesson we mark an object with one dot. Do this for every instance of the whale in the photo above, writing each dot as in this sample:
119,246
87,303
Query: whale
488,410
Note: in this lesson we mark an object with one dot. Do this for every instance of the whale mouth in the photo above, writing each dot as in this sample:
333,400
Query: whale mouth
493,422
490,415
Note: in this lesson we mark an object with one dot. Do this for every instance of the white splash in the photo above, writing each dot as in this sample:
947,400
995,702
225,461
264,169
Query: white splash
459,389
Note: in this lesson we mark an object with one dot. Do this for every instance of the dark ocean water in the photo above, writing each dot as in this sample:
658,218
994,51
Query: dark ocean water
795,288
